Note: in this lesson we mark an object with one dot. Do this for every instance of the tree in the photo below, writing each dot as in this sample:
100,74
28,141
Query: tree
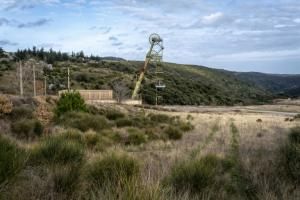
121,90
70,101
1,52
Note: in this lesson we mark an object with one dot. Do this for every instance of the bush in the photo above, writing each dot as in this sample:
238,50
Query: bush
114,114
58,150
136,137
84,121
12,159
91,138
70,101
28,128
291,153
21,112
173,133
194,176
160,118
5,105
297,116
123,122
65,178
294,136
186,126
112,169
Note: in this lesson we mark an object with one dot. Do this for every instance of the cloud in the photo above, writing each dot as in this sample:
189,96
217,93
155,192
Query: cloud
212,18
37,23
8,5
103,29
117,43
7,43
113,38
4,21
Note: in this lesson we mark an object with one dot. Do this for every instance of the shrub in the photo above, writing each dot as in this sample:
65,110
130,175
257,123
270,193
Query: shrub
84,121
112,169
123,122
294,136
297,116
186,126
291,153
28,128
194,176
5,105
159,118
91,138
21,112
70,101
136,137
65,178
58,150
114,114
173,133
12,159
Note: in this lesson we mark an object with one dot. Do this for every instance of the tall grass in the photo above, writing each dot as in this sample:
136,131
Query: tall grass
58,150
113,169
12,159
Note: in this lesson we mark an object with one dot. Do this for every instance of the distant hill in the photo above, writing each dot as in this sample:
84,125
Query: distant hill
278,84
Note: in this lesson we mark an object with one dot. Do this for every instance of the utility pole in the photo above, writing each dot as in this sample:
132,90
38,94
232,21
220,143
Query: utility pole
45,85
68,79
34,86
21,78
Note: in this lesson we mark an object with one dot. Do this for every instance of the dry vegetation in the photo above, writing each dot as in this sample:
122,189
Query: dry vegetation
124,152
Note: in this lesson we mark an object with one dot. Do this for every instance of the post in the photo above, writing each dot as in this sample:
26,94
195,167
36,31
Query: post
21,78
68,79
45,85
34,86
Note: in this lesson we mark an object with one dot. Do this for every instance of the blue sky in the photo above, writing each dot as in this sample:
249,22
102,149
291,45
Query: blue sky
252,35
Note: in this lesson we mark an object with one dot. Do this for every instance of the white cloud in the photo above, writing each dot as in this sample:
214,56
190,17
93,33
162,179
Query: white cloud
212,18
297,20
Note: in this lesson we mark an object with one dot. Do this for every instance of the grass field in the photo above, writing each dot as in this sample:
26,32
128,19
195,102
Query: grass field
232,153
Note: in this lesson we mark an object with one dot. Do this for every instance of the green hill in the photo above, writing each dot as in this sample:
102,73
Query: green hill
185,84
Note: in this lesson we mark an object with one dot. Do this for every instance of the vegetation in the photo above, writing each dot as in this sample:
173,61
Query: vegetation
291,155
70,101
113,169
58,149
84,121
27,128
12,159
5,105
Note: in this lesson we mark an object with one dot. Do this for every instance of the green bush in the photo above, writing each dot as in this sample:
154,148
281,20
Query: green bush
114,114
195,175
173,133
123,122
136,137
112,169
91,138
70,101
27,128
12,159
84,121
58,150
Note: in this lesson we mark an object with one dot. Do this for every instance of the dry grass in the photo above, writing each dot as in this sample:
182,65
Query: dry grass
256,153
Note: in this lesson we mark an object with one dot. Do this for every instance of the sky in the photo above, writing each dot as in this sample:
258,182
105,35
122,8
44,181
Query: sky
240,35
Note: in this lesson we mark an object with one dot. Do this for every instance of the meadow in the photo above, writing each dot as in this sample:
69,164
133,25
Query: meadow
128,152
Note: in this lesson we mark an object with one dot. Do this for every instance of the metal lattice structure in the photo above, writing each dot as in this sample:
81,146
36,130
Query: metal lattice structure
155,56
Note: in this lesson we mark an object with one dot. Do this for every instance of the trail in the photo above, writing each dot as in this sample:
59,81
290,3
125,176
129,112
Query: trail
215,128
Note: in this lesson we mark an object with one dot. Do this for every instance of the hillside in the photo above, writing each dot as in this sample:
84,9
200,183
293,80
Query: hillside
186,84
288,85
